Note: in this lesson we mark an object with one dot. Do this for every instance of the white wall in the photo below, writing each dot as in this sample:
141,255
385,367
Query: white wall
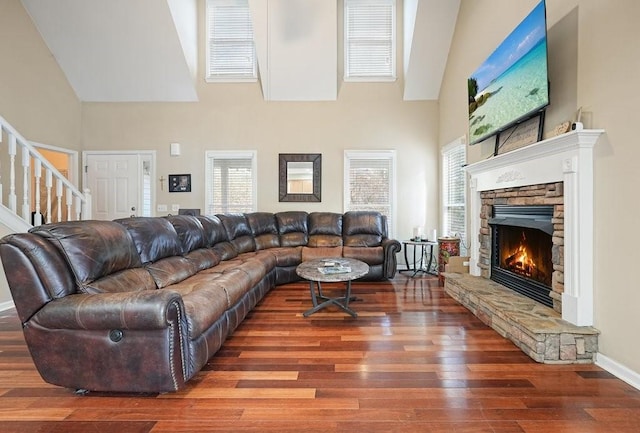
596,43
35,96
366,116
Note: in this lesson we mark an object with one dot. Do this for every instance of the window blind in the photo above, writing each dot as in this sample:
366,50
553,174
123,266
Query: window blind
454,191
231,185
230,47
369,183
369,39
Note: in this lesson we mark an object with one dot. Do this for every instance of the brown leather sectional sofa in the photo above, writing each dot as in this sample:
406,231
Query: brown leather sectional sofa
141,304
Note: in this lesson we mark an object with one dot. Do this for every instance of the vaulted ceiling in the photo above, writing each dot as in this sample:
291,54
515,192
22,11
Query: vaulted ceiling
147,50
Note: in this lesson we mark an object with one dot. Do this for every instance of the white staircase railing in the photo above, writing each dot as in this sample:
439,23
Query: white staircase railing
63,200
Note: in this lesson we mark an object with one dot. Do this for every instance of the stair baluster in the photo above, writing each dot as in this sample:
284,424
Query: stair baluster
69,202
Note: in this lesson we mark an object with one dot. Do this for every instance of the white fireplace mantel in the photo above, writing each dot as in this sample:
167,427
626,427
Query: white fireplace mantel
566,158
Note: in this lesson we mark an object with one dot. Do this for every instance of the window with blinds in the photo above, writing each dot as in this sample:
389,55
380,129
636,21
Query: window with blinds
369,40
369,179
231,182
454,190
230,48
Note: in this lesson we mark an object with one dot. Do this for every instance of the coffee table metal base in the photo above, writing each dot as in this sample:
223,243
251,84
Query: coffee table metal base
321,301
315,271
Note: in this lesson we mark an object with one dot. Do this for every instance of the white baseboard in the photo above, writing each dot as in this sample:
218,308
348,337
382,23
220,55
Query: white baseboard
620,371
4,306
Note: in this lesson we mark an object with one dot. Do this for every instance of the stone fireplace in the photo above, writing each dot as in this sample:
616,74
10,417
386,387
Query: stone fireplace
557,172
531,269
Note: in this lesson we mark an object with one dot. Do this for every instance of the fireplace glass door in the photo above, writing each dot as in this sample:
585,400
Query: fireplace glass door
525,252
522,246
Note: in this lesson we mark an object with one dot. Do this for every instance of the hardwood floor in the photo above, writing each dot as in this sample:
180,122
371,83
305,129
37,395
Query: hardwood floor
413,361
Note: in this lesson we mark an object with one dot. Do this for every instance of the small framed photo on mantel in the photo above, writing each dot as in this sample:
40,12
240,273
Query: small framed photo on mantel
179,183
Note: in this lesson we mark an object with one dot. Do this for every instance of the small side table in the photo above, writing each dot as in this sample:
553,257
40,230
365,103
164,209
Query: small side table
426,255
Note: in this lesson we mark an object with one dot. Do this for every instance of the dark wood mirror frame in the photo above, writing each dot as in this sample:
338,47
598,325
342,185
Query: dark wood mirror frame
316,159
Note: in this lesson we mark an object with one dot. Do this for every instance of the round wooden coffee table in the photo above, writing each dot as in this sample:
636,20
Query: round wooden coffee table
330,270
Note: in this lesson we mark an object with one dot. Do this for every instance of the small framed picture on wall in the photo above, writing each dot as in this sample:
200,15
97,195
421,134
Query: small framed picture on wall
179,183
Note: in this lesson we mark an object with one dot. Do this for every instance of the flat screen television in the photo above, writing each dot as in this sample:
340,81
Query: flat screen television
512,85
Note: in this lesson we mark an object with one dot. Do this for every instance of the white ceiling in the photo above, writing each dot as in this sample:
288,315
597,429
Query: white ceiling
122,50
146,50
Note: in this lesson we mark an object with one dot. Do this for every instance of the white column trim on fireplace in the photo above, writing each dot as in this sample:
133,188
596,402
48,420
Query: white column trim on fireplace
566,158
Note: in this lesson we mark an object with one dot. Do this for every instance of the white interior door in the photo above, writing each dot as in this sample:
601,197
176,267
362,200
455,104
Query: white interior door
115,184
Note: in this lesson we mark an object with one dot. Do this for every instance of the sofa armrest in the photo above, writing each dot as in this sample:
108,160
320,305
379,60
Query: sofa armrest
390,247
127,341
143,310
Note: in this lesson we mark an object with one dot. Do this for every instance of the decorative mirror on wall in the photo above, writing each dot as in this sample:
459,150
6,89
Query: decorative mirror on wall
299,176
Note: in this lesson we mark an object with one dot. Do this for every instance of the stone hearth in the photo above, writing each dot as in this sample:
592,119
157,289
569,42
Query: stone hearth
537,330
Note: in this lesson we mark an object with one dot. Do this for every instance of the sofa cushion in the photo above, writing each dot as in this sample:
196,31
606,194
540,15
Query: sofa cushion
161,249
260,263
257,264
218,237
195,239
236,284
214,229
154,237
203,258
362,228
287,256
264,230
312,253
238,231
171,270
293,228
228,275
369,255
96,250
190,232
128,280
223,266
325,229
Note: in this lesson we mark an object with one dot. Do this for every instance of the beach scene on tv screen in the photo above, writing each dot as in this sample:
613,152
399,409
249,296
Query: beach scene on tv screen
512,82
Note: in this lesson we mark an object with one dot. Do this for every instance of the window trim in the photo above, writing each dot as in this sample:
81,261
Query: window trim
445,151
393,181
231,154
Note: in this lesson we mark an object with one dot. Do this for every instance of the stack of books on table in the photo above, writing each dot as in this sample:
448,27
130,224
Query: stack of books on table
334,267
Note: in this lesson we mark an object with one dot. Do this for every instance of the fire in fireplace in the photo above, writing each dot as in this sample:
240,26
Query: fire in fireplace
529,256
521,256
